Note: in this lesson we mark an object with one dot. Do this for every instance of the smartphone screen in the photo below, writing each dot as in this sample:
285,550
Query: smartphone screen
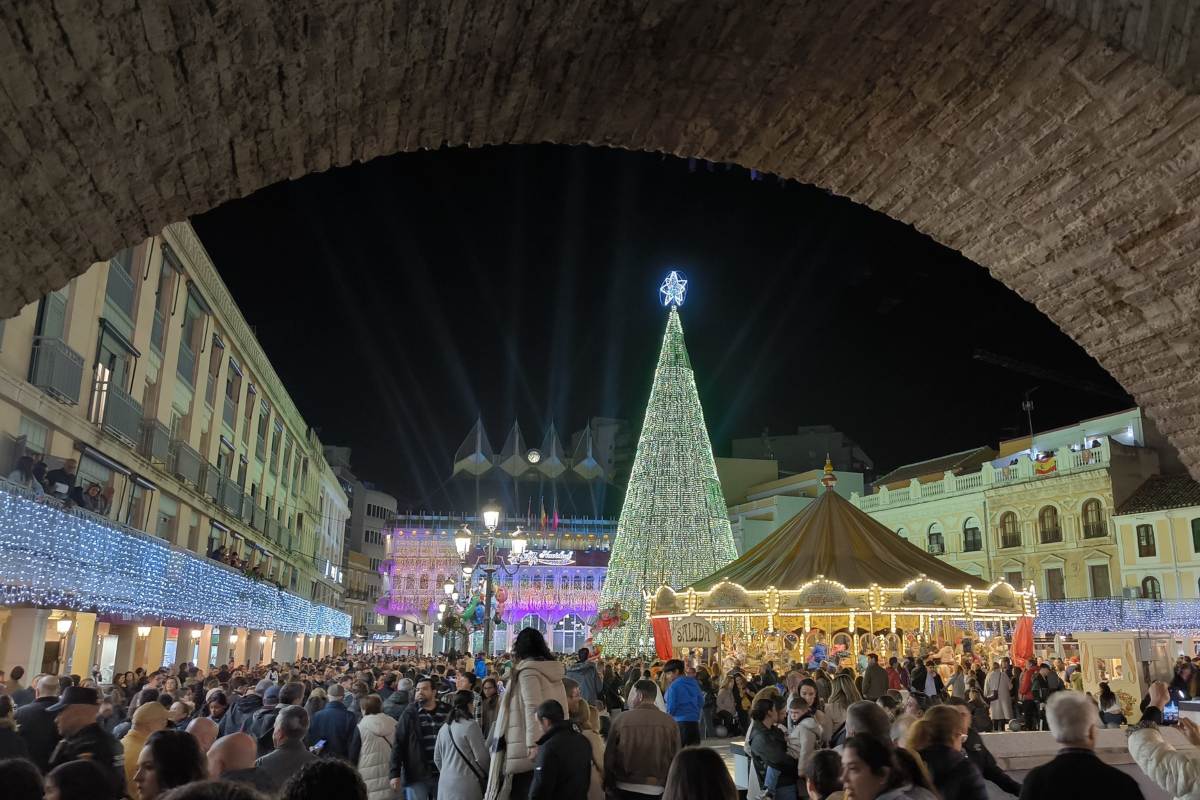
1170,715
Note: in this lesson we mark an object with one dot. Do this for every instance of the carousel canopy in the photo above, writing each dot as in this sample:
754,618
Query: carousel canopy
832,538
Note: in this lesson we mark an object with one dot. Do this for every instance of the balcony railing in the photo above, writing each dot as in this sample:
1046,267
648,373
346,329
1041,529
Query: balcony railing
87,561
210,483
186,463
258,518
56,369
1051,536
118,412
1065,461
230,496
1094,530
156,441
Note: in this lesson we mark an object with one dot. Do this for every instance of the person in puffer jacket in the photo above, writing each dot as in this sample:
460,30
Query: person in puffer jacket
803,732
536,678
376,735
1175,772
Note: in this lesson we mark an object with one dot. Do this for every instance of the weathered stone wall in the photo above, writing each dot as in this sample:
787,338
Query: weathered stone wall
1067,162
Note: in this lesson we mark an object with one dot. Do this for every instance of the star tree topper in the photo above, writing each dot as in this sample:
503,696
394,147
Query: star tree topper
673,289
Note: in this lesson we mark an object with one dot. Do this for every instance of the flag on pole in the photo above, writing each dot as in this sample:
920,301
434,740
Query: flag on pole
554,525
542,520
529,513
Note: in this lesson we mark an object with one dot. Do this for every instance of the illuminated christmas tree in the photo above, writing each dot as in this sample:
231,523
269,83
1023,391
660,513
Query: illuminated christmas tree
674,527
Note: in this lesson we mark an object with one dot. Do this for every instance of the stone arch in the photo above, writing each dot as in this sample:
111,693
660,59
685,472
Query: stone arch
1058,151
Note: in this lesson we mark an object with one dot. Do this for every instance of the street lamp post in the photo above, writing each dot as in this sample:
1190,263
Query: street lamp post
462,543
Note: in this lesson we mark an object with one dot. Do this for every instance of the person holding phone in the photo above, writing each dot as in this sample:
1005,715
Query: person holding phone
1175,772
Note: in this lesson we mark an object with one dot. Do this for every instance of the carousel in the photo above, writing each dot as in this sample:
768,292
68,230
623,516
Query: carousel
832,584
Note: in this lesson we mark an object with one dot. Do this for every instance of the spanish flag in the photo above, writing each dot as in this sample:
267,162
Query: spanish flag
542,519
1045,465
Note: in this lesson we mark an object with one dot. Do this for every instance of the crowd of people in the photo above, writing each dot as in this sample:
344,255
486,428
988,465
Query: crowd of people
530,724
61,483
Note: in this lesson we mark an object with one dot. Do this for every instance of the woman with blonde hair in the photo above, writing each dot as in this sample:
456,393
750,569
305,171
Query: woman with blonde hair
938,738
841,696
587,719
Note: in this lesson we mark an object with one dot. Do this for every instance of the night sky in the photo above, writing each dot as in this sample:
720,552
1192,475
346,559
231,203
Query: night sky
400,299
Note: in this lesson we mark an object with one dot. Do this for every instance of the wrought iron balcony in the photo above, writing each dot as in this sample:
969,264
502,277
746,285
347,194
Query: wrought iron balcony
56,369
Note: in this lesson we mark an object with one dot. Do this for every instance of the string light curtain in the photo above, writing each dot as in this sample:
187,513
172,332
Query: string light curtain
674,527
54,559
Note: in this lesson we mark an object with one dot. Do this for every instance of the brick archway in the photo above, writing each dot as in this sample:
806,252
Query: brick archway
1062,154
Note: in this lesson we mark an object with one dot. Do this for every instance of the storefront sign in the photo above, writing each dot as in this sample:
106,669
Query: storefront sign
543,558
692,632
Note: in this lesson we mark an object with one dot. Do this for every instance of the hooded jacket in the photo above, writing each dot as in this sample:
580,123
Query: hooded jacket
395,703
148,718
240,714
685,701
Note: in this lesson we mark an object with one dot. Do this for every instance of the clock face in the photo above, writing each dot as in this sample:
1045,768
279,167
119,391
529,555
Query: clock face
534,456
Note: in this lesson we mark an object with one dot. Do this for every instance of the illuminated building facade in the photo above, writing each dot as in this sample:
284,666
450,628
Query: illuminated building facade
554,586
143,372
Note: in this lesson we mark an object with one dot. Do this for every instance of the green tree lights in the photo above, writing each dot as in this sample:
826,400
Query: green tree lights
674,527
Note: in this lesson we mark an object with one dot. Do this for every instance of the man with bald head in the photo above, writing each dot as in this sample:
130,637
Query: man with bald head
204,730
35,725
232,757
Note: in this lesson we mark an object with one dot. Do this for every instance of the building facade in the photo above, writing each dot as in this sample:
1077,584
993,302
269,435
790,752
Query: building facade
1158,532
1040,513
370,513
554,586
143,375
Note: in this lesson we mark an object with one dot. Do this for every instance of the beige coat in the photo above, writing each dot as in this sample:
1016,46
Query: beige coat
533,683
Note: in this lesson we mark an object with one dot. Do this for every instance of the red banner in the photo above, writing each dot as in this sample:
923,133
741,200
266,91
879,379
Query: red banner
662,637
1022,642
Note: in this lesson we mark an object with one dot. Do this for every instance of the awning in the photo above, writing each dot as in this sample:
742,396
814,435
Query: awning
194,293
97,456
141,482
120,338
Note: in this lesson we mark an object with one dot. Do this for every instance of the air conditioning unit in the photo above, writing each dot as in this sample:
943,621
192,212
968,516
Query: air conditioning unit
1131,593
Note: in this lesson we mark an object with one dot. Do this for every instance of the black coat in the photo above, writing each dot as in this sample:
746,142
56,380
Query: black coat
1079,773
408,755
36,726
94,743
985,762
768,748
955,777
564,765
917,681
11,744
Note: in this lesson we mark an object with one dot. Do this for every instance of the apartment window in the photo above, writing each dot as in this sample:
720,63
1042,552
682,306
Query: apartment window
1010,530
972,538
168,511
1055,589
1094,525
194,320
275,437
1099,577
1195,532
264,416
1048,527
1014,578
937,542
36,435
215,354
251,397
1151,589
233,390
1145,541
163,300
121,288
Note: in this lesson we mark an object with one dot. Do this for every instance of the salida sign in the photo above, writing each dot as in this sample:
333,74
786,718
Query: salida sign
692,632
